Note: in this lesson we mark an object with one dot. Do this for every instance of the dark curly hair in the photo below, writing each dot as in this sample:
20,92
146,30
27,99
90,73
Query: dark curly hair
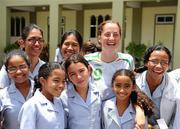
137,97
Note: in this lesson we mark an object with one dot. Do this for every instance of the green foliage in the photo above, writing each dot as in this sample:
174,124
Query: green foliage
10,47
137,51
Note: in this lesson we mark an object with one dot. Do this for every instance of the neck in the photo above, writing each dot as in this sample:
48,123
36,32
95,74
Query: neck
82,91
23,88
153,83
122,106
108,56
34,62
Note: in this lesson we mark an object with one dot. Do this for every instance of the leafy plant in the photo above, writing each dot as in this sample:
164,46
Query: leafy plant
10,47
137,51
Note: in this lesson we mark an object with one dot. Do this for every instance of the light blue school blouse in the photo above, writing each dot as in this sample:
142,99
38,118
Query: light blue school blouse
11,101
81,114
39,113
5,81
112,120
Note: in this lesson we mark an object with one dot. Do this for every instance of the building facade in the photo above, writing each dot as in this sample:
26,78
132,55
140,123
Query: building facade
143,21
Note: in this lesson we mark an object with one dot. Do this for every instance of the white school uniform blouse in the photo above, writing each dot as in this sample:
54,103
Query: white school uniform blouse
112,120
40,113
5,81
165,94
81,114
103,71
175,74
11,101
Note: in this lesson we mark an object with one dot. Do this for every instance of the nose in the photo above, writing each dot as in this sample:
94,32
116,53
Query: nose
37,42
70,47
18,71
78,76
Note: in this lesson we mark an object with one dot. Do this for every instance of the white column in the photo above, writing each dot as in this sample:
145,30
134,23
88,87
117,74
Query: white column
54,19
4,28
176,59
118,15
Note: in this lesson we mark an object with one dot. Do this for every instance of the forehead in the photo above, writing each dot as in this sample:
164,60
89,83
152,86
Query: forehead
71,37
35,33
111,26
160,54
122,79
76,66
15,59
58,72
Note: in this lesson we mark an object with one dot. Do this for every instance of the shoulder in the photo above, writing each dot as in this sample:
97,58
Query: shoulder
4,93
141,79
109,103
125,56
92,56
41,62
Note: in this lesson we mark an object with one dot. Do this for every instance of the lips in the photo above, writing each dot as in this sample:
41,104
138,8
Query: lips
160,71
111,44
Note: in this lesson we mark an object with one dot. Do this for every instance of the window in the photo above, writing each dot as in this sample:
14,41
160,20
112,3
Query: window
165,19
17,25
62,25
93,27
107,17
95,21
12,26
100,19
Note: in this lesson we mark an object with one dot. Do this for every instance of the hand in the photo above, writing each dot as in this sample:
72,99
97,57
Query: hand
140,118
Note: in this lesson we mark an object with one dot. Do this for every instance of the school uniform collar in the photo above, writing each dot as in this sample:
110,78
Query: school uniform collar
145,87
45,102
92,96
113,113
14,93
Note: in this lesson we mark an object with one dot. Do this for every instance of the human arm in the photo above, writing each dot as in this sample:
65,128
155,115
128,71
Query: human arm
4,78
27,117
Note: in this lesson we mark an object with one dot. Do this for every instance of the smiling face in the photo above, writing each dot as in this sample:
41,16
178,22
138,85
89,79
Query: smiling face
110,37
34,49
18,70
54,84
122,87
70,46
79,74
158,64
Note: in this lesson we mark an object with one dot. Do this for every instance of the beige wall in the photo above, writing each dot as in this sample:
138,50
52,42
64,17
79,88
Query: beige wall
148,16
70,18
42,21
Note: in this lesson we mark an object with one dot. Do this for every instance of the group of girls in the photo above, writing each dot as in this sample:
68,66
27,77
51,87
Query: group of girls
106,99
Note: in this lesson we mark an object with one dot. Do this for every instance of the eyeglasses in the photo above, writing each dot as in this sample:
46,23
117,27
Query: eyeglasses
34,40
162,62
14,69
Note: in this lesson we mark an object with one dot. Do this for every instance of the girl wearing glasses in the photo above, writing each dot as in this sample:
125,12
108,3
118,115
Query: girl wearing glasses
33,42
118,112
44,110
12,98
156,84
